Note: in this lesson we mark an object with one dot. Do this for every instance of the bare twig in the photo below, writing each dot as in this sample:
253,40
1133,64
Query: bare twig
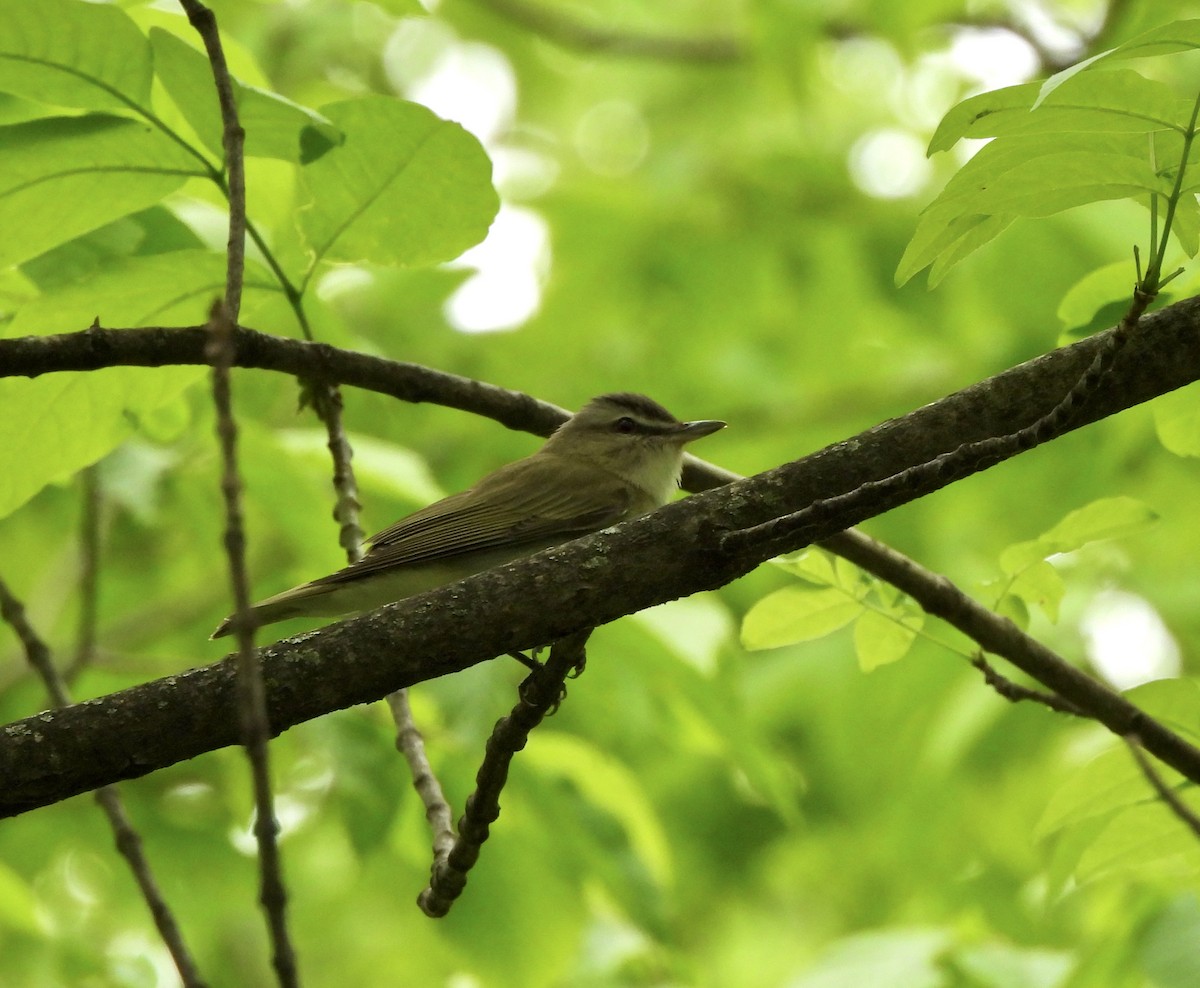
233,139
1015,692
540,694
411,745
128,841
326,400
252,705
1165,792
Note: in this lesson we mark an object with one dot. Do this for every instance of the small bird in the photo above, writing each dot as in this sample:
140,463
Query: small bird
619,456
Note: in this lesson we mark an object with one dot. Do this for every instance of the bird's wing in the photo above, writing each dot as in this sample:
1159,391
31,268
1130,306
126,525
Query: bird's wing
535,501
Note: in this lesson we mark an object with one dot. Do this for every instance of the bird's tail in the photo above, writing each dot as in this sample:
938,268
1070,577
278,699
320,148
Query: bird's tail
297,602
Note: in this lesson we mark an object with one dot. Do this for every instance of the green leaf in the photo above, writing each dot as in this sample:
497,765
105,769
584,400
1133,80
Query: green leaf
943,238
63,176
812,564
795,615
68,421
1106,518
1144,840
275,127
1177,419
1168,39
405,187
1048,183
1112,780
1028,175
883,638
67,53
1109,782
172,289
1089,304
977,116
1120,101
1040,585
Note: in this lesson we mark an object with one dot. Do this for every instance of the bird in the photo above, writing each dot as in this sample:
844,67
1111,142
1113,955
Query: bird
619,456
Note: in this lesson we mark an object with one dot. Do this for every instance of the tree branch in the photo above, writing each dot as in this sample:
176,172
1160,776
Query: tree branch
587,582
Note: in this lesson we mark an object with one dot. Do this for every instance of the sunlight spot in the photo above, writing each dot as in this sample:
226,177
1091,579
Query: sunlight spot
889,164
862,63
510,265
993,57
521,173
612,138
136,955
1127,641
472,84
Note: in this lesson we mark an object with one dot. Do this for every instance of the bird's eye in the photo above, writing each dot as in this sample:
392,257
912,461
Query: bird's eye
625,424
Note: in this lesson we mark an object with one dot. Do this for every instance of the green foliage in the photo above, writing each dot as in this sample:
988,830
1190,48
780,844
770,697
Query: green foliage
405,187
1091,133
704,809
885,622
385,181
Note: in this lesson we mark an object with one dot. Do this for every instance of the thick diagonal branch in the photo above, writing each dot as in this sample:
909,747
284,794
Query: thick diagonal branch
585,583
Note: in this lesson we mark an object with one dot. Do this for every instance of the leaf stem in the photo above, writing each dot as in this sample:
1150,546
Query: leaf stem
1152,281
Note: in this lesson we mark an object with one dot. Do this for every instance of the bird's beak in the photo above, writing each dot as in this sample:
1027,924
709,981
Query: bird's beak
689,431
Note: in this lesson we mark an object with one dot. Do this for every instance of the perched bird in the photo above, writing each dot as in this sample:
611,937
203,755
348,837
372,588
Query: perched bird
619,456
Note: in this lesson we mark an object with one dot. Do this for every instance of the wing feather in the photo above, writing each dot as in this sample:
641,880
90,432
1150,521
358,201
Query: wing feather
534,502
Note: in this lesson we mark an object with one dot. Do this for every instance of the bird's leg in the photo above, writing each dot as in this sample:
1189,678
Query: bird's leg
526,661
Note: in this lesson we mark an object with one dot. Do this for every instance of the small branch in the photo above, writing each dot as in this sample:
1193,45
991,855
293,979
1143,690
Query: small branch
233,139
252,705
671,552
1015,692
540,694
326,400
1165,792
995,634
412,746
251,694
128,841
554,26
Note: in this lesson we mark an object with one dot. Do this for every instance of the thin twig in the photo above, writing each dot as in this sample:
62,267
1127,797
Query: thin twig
252,705
255,729
1015,692
128,841
540,694
326,400
233,139
412,746
1165,792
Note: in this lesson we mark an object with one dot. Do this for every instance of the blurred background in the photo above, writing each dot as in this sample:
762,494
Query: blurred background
705,202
